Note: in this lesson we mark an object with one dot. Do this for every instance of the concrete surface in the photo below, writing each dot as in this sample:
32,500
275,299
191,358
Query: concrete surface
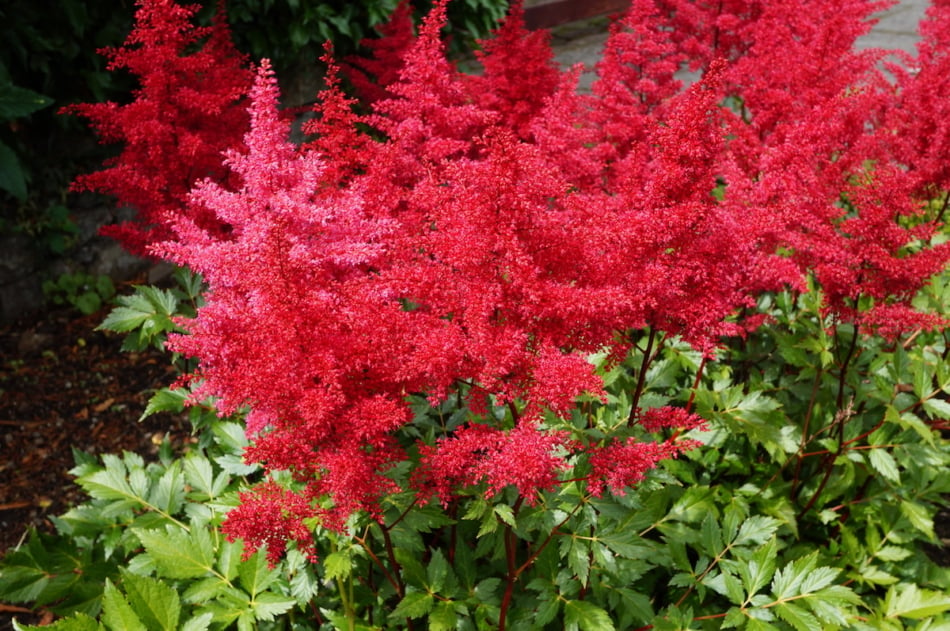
895,30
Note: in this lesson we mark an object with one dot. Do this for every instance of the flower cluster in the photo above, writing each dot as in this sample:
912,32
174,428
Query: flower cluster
495,230
187,110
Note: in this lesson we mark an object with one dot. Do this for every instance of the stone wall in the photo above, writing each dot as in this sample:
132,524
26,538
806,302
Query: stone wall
24,266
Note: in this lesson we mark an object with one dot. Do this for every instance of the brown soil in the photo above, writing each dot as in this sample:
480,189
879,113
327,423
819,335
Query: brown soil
65,386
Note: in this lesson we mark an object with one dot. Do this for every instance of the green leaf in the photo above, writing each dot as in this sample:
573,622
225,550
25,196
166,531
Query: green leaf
413,605
157,604
177,553
117,613
412,570
437,571
200,475
443,616
727,585
200,622
798,617
165,400
205,590
254,574
578,558
338,564
110,483
893,553
304,584
506,514
909,601
168,494
711,536
919,518
268,605
757,572
694,505
938,408
757,529
17,102
148,311
486,590
883,462
586,616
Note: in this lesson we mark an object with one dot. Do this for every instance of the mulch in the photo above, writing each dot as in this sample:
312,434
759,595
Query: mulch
65,386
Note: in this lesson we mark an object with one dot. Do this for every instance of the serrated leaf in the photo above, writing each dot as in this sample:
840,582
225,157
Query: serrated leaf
200,622
304,585
586,616
757,529
254,574
476,510
735,617
788,580
909,601
883,462
205,590
443,616
165,400
711,536
179,554
876,575
156,604
124,319
798,617
117,613
547,611
893,553
268,605
694,505
200,474
938,408
437,571
412,570
818,579
919,518
110,483
486,589
229,558
828,610
578,559
337,564
506,514
727,585
168,494
413,605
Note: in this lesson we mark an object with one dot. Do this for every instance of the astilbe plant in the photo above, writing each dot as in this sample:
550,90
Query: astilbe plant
187,110
489,235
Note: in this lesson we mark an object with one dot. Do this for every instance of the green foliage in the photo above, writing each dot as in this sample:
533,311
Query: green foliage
16,102
290,31
805,510
83,291
50,56
148,315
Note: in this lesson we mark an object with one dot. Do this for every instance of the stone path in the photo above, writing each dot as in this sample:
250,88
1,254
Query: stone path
896,30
